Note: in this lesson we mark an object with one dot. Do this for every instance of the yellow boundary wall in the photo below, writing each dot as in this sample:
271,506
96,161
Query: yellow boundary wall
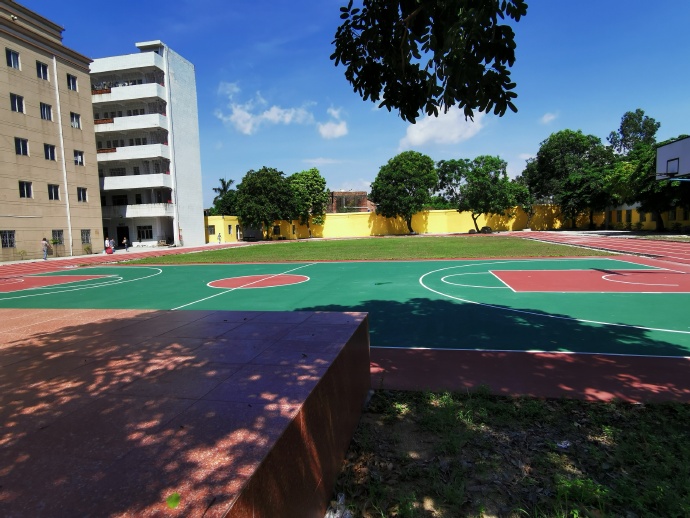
365,224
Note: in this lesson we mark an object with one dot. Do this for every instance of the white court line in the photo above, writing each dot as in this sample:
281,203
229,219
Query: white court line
606,278
444,280
159,271
243,286
532,313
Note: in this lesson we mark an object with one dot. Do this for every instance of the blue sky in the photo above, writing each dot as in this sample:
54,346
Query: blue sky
268,94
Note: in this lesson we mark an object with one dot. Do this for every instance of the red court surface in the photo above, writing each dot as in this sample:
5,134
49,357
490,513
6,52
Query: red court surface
673,251
595,281
551,375
27,283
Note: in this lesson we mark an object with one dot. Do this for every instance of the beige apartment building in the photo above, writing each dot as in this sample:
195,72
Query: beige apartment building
48,170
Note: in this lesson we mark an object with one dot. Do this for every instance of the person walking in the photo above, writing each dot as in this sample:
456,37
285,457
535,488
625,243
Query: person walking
112,244
106,245
45,246
125,242
218,237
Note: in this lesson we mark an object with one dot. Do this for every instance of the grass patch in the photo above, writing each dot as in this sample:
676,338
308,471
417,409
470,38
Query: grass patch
475,454
390,248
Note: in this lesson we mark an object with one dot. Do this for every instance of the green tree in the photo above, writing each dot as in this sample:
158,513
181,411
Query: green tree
638,173
570,170
310,197
633,179
524,197
263,197
480,186
223,189
636,128
404,185
224,203
430,54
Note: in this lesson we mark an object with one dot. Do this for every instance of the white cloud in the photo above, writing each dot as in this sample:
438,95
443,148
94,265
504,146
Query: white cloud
548,117
247,117
333,129
447,128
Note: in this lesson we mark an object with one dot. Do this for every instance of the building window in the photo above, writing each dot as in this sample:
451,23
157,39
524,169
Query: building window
85,237
117,171
145,232
686,214
619,216
25,189
137,198
81,194
41,70
135,169
75,120
119,199
672,214
58,237
46,112
7,238
49,151
230,229
71,82
21,146
211,230
78,157
53,192
628,216
12,58
643,217
17,103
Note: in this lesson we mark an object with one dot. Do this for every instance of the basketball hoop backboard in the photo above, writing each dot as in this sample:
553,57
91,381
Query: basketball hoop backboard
673,160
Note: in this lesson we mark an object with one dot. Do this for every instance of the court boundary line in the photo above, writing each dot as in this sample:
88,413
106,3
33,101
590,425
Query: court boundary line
239,287
531,313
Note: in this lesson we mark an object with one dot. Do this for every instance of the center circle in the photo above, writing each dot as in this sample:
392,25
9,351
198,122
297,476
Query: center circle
258,281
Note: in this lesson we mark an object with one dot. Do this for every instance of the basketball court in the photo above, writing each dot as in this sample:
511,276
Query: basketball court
225,382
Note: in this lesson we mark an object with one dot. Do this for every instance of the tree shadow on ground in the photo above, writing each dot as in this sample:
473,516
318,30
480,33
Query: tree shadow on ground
112,416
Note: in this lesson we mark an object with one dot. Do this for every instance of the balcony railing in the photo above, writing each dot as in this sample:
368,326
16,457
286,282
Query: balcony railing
103,121
107,150
97,91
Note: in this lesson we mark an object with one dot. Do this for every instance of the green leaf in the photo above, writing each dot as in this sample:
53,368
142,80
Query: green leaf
173,500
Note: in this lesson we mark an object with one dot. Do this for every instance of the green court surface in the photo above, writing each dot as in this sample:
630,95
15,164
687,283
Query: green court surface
592,305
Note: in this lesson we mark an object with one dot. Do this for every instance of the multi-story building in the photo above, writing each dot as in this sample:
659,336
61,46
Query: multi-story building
48,174
147,139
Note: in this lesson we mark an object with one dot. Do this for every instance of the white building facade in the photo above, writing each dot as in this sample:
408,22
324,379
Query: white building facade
147,141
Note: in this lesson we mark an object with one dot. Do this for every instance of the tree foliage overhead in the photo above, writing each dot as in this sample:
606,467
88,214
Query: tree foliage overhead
264,196
404,186
430,55
480,186
310,196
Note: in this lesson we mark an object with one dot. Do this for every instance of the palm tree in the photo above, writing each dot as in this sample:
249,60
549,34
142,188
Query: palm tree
222,190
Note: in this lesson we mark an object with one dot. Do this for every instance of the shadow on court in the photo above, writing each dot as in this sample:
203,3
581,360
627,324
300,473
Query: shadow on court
443,324
467,345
